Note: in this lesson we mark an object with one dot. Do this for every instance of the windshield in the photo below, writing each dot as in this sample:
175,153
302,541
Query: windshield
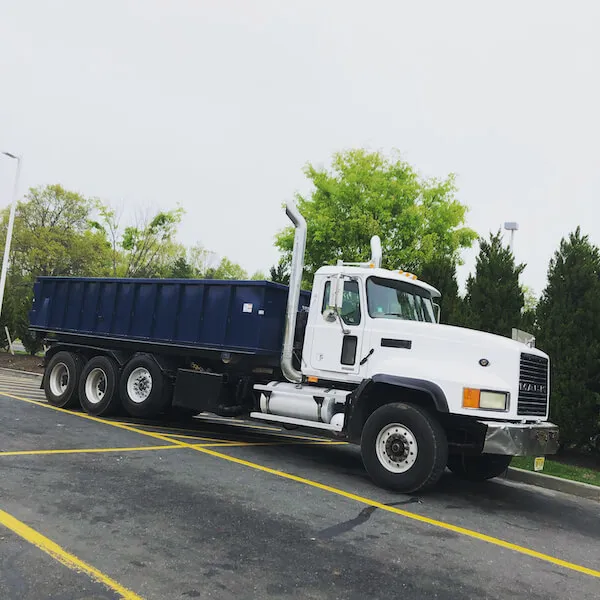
389,299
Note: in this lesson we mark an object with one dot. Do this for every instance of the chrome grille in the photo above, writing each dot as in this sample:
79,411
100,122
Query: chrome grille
533,386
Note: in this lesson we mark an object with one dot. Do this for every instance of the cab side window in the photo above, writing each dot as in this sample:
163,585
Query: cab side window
350,312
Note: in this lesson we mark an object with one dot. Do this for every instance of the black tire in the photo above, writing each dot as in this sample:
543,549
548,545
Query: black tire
479,467
155,390
61,379
402,427
98,387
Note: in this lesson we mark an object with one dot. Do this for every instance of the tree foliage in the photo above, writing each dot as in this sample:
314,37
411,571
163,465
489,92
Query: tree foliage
144,249
280,273
52,236
494,298
569,331
364,194
441,274
226,269
58,232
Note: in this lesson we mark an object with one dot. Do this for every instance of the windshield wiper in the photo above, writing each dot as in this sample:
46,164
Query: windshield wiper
392,314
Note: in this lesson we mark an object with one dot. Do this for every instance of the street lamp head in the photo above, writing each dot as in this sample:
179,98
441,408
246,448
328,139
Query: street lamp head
511,226
10,155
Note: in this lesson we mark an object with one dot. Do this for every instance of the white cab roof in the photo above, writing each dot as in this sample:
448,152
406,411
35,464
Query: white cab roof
365,272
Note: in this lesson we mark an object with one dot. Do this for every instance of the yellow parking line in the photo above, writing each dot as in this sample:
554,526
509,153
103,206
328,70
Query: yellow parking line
85,450
360,499
62,556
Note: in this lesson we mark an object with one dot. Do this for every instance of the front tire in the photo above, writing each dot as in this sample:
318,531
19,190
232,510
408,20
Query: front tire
404,448
98,391
61,379
480,467
145,391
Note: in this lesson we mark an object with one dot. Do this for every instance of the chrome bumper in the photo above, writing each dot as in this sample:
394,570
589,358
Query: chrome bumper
518,439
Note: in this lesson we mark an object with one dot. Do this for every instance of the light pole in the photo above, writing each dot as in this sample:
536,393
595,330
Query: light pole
512,227
11,223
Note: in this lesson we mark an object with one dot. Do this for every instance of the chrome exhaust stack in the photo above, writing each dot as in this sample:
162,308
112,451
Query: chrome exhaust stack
376,252
287,367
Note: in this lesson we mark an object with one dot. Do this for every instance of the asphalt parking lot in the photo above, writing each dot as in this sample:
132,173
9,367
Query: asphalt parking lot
94,509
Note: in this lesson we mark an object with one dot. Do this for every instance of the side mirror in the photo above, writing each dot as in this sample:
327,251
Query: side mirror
336,292
437,310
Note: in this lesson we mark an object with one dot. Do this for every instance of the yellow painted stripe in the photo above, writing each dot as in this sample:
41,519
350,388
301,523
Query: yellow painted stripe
62,556
86,450
362,500
410,515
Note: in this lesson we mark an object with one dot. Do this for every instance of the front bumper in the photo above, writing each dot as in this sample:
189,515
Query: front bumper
518,439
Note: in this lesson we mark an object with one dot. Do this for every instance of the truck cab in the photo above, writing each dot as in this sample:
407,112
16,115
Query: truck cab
377,368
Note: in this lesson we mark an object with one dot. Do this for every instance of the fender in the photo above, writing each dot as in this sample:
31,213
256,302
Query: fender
356,407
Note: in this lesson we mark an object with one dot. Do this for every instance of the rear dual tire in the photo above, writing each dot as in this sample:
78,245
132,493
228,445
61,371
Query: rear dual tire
61,380
145,391
98,387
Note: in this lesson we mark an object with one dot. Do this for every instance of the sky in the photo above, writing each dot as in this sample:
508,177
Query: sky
218,105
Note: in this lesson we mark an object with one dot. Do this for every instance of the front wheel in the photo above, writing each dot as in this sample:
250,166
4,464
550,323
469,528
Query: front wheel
403,447
479,467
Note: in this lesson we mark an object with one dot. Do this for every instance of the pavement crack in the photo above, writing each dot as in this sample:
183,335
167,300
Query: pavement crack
363,516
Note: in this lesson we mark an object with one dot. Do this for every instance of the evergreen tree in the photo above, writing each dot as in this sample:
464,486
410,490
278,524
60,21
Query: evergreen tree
441,274
494,297
280,273
181,269
569,331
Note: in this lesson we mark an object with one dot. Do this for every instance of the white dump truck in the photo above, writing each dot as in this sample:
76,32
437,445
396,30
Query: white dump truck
363,358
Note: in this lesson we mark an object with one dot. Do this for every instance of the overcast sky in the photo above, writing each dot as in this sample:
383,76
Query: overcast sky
217,105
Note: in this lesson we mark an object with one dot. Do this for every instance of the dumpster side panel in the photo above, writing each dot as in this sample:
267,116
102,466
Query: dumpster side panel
243,316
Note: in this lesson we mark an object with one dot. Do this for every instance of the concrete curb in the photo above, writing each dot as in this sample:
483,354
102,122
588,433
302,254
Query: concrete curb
558,484
19,372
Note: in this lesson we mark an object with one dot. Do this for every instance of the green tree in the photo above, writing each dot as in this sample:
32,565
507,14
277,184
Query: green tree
149,245
280,273
53,235
144,249
181,269
365,194
569,331
226,269
529,312
494,297
441,274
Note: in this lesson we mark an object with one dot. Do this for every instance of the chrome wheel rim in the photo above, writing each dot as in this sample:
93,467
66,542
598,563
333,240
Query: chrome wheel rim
139,385
95,386
396,448
59,379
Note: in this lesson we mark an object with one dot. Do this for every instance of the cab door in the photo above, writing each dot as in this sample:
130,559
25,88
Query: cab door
337,340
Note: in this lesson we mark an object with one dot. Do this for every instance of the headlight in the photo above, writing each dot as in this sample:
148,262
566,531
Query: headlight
493,400
484,400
